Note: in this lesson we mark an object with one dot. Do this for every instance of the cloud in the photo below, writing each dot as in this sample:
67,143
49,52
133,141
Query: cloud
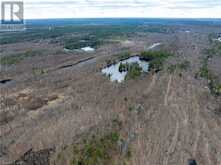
122,8
195,4
96,3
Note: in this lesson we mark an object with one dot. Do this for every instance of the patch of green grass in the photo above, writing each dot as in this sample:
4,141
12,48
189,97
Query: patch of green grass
134,71
15,58
97,151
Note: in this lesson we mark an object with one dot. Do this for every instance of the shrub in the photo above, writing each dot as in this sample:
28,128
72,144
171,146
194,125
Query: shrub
123,67
182,66
134,71
124,56
39,71
151,55
156,59
215,87
96,151
171,68
110,62
156,65
77,43
15,58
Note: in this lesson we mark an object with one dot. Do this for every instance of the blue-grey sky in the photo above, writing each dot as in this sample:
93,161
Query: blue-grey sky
122,8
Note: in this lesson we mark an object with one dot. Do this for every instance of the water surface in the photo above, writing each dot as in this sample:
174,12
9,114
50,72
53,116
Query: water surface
88,49
113,70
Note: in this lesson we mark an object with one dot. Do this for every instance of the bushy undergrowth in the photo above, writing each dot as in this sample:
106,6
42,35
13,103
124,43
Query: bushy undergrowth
215,87
155,58
124,67
214,84
181,66
15,58
124,55
134,71
75,43
39,71
97,151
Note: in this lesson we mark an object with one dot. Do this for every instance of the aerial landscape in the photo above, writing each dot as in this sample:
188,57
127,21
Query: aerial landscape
115,91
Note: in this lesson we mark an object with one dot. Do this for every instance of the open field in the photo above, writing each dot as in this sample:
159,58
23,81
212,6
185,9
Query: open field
54,102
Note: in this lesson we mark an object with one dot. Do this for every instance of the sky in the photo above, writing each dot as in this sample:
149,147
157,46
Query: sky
122,8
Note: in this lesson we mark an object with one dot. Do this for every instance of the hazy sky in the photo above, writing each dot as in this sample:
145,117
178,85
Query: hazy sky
122,8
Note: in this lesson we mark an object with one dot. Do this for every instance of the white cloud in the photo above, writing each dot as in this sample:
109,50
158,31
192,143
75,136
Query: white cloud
122,8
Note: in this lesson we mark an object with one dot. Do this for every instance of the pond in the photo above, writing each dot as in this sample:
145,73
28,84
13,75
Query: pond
88,49
113,70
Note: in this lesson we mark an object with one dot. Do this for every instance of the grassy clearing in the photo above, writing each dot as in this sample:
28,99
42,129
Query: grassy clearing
15,58
155,58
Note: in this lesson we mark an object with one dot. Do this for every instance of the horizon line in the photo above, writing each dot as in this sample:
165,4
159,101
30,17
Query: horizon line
125,18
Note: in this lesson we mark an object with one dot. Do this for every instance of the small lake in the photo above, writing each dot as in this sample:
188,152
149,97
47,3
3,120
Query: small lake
114,73
88,49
